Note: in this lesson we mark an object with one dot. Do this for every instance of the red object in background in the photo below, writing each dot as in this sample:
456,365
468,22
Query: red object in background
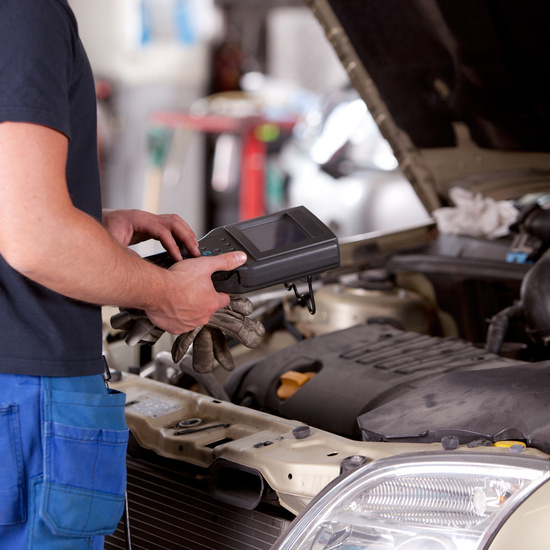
253,151
252,185
104,93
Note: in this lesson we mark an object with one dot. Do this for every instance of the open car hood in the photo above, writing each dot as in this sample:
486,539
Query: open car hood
459,89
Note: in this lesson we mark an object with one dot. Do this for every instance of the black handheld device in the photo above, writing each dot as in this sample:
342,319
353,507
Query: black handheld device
282,247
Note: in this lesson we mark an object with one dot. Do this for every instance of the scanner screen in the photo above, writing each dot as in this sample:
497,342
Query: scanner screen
275,234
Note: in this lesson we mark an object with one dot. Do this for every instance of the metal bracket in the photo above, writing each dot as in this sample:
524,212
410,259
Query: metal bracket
305,300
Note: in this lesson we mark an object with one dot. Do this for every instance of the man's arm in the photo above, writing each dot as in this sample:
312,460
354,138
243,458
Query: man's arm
47,239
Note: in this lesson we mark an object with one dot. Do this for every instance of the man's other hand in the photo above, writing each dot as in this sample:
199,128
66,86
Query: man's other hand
129,227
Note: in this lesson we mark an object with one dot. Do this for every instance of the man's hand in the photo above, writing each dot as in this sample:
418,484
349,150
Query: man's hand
129,227
194,298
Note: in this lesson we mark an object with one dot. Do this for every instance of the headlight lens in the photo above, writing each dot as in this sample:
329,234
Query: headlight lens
420,502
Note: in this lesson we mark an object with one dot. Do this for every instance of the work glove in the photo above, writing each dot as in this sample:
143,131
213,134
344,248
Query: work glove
209,341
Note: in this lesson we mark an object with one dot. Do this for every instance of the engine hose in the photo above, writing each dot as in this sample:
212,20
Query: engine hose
499,326
207,380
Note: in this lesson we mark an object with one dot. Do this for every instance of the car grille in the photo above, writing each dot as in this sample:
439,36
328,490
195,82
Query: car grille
170,510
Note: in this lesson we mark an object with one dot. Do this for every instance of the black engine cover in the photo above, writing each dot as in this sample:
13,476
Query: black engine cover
357,370
500,404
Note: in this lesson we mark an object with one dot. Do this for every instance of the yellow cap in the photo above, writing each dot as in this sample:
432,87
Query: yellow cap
508,444
291,382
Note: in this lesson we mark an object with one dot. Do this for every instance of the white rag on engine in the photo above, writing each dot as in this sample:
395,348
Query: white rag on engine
475,215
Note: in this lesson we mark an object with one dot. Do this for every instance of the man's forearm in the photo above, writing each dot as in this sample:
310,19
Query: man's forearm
76,257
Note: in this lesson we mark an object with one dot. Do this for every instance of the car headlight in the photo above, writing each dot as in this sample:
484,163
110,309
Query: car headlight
418,502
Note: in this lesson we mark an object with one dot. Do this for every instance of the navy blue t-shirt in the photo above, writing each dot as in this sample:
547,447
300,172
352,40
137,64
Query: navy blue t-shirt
45,78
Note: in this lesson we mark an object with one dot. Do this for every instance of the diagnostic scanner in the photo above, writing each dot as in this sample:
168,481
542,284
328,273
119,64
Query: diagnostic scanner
282,247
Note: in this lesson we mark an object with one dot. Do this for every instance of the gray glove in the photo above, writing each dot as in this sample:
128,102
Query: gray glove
137,326
209,342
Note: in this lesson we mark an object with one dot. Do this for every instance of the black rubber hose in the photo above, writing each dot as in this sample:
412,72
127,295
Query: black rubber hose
499,326
208,381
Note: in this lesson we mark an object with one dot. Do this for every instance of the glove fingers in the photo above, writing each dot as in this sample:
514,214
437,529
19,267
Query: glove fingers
142,330
209,343
221,350
137,326
251,333
241,305
182,344
121,320
248,332
203,354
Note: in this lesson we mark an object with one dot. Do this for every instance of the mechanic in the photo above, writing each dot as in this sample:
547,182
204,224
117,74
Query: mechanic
62,431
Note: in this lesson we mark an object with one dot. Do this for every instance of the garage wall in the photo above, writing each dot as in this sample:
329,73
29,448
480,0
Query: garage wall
149,71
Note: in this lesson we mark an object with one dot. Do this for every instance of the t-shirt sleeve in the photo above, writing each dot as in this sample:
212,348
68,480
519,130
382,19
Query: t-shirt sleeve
36,58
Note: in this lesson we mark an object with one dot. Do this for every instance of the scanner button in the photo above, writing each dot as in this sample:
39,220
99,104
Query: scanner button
217,250
207,253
